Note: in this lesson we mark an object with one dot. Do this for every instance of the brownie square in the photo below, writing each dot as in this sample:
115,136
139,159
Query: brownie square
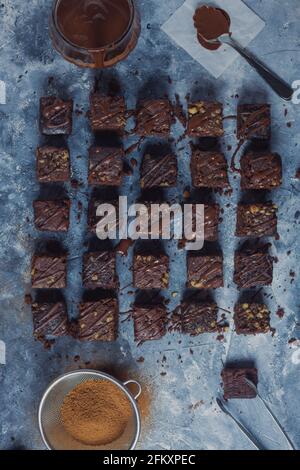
205,119
159,172
154,118
49,272
196,318
253,267
235,385
149,322
93,219
105,166
49,319
209,170
254,121
52,216
261,170
256,220
251,319
107,113
55,116
211,221
53,164
151,271
98,321
205,272
99,270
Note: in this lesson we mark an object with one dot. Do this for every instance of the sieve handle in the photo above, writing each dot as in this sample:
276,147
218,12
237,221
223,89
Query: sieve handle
138,394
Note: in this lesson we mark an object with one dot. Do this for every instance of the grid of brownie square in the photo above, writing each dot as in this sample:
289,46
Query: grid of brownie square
159,172
205,272
94,219
253,267
99,270
149,322
105,166
49,320
254,122
107,113
251,319
98,321
55,116
49,272
195,318
52,216
261,170
209,170
256,220
151,271
235,385
53,164
154,118
205,119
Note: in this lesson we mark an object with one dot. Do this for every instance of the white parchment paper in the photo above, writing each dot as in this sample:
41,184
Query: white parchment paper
245,26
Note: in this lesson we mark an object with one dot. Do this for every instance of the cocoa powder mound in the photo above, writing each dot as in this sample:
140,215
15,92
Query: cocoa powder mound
96,412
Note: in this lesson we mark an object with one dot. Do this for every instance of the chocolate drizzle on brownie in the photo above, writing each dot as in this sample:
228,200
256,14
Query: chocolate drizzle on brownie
159,172
53,164
149,322
195,318
235,385
253,267
94,219
55,116
52,216
209,170
49,272
107,113
99,270
154,117
254,121
98,321
256,220
261,170
105,166
251,319
205,119
49,320
205,272
151,272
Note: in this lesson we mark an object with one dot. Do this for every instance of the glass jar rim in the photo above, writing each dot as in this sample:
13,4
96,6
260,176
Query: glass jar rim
93,49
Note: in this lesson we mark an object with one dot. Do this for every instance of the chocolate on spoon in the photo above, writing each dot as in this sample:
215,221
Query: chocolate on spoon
213,30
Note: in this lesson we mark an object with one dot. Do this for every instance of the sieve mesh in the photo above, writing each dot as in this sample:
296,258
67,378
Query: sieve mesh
51,427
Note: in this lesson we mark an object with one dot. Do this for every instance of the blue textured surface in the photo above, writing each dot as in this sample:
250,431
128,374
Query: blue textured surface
184,414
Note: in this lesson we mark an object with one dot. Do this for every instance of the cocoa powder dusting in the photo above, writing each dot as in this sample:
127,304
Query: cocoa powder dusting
96,412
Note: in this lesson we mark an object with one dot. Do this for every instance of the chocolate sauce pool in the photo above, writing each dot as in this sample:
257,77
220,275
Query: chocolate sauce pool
93,24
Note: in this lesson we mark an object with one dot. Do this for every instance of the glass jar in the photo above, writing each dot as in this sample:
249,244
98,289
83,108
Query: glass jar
96,57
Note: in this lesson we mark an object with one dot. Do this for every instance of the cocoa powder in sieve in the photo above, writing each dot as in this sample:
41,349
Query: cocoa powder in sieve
96,412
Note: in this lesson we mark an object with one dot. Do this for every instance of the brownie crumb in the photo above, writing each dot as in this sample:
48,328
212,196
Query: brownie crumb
28,299
280,313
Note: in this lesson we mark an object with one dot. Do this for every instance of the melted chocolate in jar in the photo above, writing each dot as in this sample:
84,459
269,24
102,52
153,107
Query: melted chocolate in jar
211,23
92,24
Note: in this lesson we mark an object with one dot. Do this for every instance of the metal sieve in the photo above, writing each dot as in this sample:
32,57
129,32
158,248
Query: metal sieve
52,431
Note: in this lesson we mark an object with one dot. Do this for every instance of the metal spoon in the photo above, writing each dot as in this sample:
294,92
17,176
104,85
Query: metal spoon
253,386
244,430
282,88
